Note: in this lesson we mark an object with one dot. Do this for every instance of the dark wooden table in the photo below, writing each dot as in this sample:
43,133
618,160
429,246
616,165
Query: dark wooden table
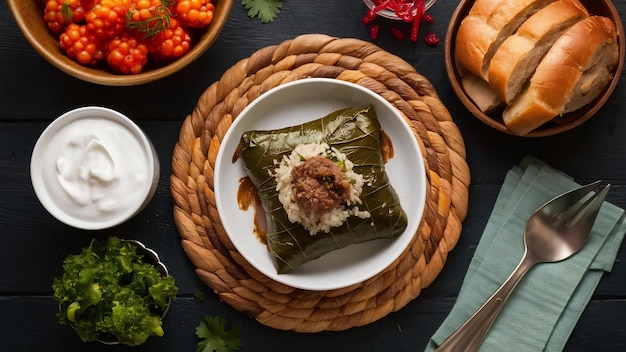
33,244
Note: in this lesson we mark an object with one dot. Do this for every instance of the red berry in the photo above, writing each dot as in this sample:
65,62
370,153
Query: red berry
59,13
126,54
194,13
148,16
431,39
170,43
81,45
106,19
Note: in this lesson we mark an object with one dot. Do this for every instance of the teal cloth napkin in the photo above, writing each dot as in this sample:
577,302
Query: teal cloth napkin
545,306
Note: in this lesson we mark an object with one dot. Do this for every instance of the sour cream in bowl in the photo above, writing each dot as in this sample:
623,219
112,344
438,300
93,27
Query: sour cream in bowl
93,168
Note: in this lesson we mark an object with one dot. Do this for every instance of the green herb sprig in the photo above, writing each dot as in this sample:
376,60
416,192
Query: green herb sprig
107,292
216,335
265,10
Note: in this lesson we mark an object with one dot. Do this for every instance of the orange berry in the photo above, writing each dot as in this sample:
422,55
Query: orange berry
171,43
195,13
59,13
81,45
148,17
127,54
106,18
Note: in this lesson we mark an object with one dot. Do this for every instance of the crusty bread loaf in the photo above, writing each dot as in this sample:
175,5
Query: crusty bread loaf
595,78
516,59
480,92
487,25
573,72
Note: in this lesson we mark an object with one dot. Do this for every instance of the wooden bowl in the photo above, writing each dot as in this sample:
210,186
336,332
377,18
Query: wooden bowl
29,17
567,121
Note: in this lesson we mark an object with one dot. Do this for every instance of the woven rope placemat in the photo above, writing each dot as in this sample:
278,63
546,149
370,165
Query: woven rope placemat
217,262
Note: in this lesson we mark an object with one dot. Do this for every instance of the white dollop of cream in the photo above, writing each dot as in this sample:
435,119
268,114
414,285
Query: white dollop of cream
97,169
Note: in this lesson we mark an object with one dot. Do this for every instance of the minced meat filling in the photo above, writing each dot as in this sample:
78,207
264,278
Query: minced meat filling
319,185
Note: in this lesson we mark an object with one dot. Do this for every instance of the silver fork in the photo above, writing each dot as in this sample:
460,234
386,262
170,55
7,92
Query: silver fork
553,233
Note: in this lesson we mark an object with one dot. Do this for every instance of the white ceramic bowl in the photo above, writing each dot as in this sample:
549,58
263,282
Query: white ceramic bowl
387,13
93,168
298,102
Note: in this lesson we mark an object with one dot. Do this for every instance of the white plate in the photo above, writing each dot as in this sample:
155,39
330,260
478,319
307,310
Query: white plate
295,103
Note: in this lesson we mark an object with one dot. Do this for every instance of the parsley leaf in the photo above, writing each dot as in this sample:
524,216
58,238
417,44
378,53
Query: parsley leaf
198,296
216,336
265,10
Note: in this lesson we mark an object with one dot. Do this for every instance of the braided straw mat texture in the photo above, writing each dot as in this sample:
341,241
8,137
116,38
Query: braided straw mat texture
217,262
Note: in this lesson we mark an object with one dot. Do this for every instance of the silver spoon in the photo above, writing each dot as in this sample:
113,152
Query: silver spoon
553,233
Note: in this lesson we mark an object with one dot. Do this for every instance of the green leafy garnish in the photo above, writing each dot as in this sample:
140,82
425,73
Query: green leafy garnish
217,338
107,292
66,12
198,296
152,26
265,10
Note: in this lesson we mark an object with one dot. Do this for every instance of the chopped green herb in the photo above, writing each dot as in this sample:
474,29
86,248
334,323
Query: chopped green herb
107,292
66,12
198,296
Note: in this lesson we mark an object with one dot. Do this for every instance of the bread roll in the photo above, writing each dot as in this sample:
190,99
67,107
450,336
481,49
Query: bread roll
593,80
480,92
516,59
487,25
573,72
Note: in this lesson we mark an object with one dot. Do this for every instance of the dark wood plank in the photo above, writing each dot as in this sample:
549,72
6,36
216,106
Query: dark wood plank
406,330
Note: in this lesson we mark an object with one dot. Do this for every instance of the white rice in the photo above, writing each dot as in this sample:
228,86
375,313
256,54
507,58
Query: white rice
336,216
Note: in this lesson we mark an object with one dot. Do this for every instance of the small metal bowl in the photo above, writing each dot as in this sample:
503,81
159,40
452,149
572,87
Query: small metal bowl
151,257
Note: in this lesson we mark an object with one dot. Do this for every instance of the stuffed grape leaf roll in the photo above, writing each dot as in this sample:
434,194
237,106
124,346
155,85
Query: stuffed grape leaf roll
351,140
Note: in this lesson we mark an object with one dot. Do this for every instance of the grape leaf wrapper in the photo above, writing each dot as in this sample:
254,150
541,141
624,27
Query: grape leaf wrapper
355,133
